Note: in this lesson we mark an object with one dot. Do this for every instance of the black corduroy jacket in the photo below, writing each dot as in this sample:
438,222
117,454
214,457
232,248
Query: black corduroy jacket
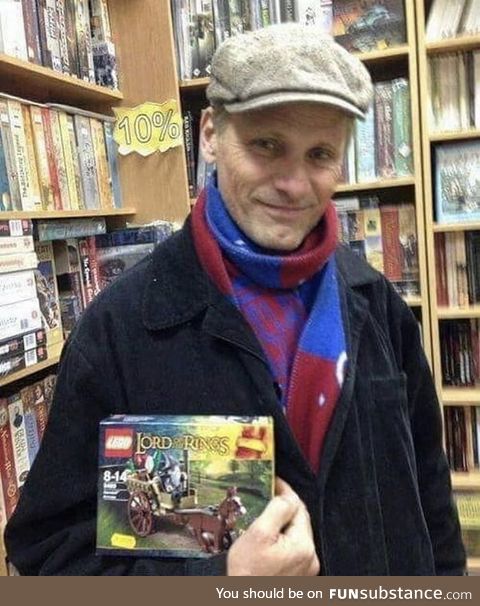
163,340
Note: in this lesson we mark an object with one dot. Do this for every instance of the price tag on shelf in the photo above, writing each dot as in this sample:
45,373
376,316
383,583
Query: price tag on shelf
148,128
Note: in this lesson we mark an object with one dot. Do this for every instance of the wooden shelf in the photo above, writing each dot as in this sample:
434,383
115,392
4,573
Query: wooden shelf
465,481
454,135
194,83
441,227
413,301
26,372
380,184
463,43
41,84
455,396
66,214
452,313
381,55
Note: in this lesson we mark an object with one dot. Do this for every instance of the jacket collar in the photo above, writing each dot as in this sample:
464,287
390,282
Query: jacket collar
178,288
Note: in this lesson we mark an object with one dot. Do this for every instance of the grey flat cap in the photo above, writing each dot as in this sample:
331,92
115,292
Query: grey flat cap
287,63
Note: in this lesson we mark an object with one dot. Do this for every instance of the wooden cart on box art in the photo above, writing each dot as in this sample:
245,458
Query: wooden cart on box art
151,499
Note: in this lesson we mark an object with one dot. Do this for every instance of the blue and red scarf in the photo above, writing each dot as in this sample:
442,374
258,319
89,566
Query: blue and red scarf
291,301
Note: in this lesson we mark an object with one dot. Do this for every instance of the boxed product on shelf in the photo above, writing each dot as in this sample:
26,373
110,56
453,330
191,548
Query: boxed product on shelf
468,505
181,486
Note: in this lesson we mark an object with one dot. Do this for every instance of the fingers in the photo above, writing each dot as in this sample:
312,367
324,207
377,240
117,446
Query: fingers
277,515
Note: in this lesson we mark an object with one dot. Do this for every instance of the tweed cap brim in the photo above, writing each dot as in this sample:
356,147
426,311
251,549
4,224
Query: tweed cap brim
287,63
280,98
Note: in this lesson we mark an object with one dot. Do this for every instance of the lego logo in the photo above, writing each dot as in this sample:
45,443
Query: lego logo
119,443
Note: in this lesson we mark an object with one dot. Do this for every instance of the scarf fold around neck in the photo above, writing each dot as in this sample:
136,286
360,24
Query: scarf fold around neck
291,302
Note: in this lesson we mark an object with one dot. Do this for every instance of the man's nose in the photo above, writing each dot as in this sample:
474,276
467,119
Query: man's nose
293,180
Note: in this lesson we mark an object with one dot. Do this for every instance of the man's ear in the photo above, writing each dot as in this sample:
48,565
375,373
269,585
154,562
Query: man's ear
208,136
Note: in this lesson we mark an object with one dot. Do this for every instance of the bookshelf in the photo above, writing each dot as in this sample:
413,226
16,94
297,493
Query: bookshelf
26,372
449,396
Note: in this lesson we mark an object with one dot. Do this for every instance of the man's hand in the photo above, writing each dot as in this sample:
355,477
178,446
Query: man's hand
279,542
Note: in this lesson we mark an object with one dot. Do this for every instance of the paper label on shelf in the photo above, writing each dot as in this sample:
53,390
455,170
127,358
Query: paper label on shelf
148,128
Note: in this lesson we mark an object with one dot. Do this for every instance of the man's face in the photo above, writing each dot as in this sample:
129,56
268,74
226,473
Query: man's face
277,168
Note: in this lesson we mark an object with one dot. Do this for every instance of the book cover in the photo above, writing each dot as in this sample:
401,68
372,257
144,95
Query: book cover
47,292
49,389
181,486
314,12
409,249
383,101
457,182
9,153
105,64
33,439
114,260
365,25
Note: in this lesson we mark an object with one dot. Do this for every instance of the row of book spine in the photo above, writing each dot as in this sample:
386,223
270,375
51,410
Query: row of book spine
385,235
56,158
70,36
23,418
454,91
460,352
457,264
201,25
450,18
381,147
462,437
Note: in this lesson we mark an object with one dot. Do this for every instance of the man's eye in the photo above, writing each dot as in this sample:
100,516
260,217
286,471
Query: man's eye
266,145
320,154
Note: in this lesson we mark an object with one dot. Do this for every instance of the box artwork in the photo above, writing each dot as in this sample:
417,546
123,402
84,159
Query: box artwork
181,486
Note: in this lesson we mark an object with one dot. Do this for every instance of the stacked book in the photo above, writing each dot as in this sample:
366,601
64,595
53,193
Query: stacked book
462,433
385,235
454,91
23,418
201,25
55,157
70,36
451,18
460,349
381,147
457,264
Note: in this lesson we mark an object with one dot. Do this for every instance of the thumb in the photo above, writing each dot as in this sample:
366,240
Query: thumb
278,514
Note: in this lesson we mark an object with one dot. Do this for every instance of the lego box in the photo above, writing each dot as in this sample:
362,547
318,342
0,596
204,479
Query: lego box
181,486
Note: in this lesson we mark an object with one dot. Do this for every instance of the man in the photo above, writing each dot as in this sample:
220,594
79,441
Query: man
253,308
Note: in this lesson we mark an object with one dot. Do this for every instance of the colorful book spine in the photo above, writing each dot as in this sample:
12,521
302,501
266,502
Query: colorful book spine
19,318
32,33
7,463
62,37
9,152
5,199
384,129
71,35
402,128
88,169
31,427
16,286
41,155
47,291
101,163
365,148
69,155
112,157
53,54
19,438
32,161
51,157
59,159
86,270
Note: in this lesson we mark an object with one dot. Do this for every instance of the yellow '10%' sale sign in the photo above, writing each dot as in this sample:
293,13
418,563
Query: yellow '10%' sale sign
148,128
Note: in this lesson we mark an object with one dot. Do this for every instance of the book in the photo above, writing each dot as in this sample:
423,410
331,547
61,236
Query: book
27,396
19,438
105,64
41,155
5,199
12,29
45,277
21,360
70,156
15,227
88,169
17,262
7,463
23,343
468,506
52,149
101,164
17,286
16,244
457,182
19,318
100,21
114,260
32,34
112,157
186,474
9,155
62,229
361,25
